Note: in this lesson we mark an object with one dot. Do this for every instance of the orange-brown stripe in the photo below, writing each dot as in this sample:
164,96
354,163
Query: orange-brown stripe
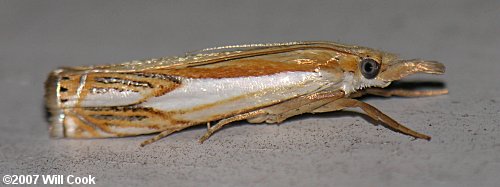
238,68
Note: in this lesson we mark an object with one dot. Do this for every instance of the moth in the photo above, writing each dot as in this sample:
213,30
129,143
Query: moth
259,83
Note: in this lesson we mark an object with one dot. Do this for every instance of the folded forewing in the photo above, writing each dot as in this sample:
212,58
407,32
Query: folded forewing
149,97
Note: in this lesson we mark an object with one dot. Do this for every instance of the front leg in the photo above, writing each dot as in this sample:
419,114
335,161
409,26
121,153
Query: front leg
370,111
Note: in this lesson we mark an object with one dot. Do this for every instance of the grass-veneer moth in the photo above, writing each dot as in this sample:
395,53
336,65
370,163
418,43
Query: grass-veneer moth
257,82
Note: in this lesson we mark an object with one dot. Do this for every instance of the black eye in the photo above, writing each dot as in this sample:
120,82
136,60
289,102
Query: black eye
369,68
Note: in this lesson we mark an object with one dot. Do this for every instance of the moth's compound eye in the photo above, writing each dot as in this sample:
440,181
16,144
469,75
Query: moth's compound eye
369,68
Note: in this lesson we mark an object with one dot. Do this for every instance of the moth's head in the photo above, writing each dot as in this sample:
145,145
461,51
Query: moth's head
379,69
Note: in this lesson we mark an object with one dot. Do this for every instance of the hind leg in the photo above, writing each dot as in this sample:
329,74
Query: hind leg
372,112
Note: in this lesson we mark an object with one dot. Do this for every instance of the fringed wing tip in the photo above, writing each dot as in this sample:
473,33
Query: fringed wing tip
55,114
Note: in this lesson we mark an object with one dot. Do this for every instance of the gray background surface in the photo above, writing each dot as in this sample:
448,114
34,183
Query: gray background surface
337,149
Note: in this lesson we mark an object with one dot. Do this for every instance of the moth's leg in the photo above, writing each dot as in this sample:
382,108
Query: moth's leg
372,112
226,121
162,134
265,115
279,112
304,104
399,92
297,110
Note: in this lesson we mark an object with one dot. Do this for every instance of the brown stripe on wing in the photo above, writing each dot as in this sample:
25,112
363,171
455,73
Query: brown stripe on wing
107,79
81,129
110,119
239,68
301,60
98,122
148,84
